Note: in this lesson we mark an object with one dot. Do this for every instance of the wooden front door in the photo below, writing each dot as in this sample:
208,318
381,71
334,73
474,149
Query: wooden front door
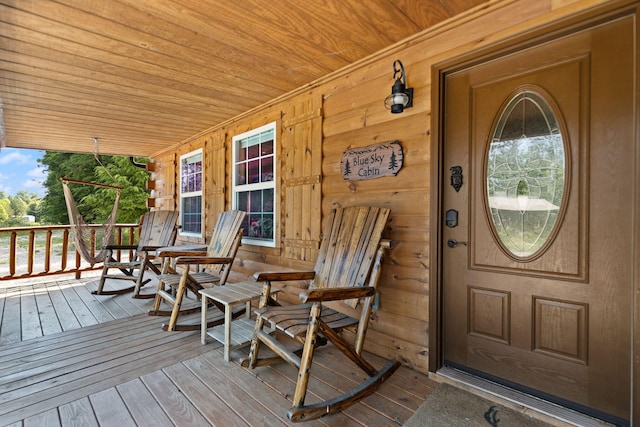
537,214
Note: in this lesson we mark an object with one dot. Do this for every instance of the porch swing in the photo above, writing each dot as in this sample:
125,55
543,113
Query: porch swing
82,231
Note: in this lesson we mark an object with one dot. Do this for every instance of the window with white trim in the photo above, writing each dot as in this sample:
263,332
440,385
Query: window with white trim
191,176
254,183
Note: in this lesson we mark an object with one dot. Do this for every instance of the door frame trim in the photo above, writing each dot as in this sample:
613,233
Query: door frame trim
564,26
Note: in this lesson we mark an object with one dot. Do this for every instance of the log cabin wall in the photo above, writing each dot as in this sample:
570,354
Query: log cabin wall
316,124
162,182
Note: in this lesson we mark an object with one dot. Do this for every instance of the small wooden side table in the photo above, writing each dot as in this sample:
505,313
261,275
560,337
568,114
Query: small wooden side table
230,295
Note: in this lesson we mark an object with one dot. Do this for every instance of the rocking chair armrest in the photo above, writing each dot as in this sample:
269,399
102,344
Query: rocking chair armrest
149,248
120,247
174,254
203,260
335,294
279,276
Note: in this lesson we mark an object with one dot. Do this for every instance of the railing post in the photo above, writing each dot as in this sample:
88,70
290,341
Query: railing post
47,249
65,249
12,253
132,239
118,242
31,250
78,273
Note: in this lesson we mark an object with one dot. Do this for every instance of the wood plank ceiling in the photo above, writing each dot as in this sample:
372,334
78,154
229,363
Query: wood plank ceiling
143,75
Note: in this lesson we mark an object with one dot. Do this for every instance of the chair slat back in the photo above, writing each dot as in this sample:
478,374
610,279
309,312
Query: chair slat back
158,228
348,249
226,236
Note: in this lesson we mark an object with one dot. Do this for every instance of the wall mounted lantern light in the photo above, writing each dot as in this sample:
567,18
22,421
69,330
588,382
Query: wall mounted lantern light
401,97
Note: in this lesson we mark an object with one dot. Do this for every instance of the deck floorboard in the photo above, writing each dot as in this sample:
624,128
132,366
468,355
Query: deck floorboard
68,357
141,404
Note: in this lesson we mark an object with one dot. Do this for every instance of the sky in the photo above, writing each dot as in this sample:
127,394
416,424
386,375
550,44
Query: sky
19,170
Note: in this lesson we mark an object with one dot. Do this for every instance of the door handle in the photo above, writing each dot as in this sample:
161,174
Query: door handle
452,243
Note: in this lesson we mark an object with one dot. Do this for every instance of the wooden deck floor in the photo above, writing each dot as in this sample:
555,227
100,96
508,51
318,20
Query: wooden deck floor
68,357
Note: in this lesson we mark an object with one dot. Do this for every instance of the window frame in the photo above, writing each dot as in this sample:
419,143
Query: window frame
184,195
237,187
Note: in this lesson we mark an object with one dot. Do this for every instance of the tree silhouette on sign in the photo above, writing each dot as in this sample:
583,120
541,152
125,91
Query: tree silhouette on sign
347,168
393,162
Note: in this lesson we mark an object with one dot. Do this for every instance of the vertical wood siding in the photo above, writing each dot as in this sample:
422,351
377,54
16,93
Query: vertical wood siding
215,166
302,177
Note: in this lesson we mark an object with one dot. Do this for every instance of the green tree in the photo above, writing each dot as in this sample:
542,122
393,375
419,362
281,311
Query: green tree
134,195
12,208
35,208
4,214
94,203
27,196
18,206
33,202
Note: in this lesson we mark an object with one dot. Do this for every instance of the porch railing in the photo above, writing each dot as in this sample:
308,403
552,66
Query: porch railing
48,250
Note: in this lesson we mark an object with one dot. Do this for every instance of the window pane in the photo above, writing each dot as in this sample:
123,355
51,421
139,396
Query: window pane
241,174
261,226
259,207
525,175
197,181
242,153
267,169
191,174
267,148
255,201
242,201
254,152
267,200
254,171
191,214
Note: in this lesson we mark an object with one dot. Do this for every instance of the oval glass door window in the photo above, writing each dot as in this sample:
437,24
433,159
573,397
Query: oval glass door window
525,175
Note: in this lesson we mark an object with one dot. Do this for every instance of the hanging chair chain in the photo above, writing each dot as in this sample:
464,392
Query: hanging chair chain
96,156
96,152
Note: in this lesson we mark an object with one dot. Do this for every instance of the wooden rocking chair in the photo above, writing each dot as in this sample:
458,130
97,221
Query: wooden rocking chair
157,229
347,269
213,267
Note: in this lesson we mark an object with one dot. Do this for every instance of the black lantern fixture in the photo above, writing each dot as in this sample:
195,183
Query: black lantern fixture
401,97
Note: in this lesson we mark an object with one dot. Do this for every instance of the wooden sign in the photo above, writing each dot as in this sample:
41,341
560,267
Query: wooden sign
372,161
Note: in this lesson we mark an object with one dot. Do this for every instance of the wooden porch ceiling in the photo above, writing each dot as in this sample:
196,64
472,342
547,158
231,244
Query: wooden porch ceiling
143,75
